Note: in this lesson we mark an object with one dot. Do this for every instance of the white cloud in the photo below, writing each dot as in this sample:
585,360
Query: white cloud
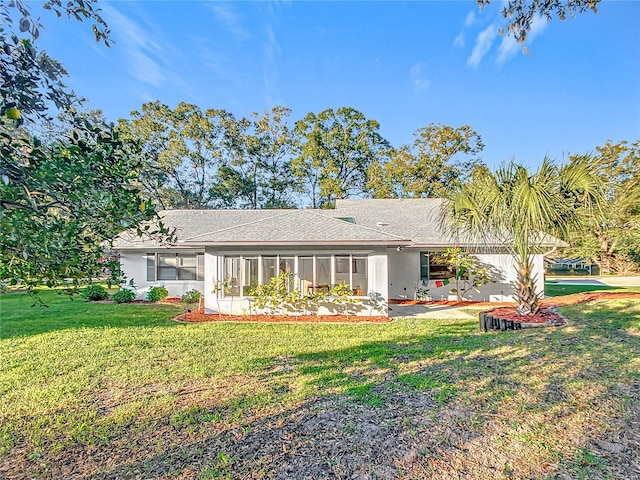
419,80
142,53
483,45
510,46
270,68
471,19
459,40
226,15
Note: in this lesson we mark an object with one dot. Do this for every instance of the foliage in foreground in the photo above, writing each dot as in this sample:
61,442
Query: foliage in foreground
78,375
63,203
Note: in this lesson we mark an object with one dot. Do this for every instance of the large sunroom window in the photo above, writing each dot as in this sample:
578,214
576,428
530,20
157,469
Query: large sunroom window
309,273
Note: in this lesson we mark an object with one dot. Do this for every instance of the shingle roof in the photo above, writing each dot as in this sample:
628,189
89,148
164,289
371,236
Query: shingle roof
416,218
377,221
198,227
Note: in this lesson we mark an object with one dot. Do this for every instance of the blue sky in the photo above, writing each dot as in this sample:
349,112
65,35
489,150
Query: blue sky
405,64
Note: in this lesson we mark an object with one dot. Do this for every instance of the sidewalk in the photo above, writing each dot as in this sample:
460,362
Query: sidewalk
427,311
613,281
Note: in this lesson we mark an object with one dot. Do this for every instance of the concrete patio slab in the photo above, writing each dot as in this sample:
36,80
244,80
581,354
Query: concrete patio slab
427,311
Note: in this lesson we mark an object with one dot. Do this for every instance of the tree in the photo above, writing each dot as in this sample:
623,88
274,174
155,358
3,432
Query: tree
181,149
32,80
256,170
62,205
335,152
62,202
521,13
430,167
612,238
469,272
516,209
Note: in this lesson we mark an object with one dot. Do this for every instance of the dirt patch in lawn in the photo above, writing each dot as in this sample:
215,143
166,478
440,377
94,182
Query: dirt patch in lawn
409,436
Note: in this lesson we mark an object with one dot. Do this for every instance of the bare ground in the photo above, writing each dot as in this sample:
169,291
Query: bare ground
410,436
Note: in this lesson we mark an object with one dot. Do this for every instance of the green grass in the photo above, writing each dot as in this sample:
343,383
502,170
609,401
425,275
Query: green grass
81,374
553,289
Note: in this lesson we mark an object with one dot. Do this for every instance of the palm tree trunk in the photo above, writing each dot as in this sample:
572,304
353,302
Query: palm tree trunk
527,297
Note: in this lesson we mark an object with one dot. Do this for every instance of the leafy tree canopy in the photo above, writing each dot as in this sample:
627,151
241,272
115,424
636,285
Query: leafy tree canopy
335,152
31,80
63,203
612,237
520,14
430,167
64,200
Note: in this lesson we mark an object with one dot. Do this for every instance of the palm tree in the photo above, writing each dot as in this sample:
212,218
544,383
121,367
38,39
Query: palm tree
517,209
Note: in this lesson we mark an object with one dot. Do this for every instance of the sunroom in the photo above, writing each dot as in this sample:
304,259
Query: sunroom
311,271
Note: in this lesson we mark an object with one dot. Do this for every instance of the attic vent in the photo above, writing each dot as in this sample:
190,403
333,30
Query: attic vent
382,224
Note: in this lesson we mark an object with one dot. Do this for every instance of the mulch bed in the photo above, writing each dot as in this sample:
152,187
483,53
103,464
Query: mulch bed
505,310
547,314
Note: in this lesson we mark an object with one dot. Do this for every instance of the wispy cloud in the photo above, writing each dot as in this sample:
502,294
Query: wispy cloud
510,46
483,45
227,16
143,54
418,78
469,20
272,50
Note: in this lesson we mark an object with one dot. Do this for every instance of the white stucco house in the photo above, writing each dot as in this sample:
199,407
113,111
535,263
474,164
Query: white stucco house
383,249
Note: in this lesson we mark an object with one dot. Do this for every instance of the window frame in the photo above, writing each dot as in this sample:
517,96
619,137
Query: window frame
153,265
354,262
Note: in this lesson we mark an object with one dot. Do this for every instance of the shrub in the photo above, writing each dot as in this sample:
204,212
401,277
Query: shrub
95,292
192,296
4,286
157,294
124,295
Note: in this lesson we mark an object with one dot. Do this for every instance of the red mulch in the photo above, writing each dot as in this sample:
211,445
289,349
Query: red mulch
547,315
506,310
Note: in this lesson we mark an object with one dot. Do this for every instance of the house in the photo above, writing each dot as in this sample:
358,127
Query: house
383,249
564,266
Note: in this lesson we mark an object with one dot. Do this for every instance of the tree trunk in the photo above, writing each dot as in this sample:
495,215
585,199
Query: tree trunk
526,295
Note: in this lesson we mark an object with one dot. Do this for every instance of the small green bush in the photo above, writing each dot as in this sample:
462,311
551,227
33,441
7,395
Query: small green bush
95,292
157,294
192,296
124,295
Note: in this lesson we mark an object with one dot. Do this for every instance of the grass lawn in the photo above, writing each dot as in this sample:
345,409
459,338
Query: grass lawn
103,391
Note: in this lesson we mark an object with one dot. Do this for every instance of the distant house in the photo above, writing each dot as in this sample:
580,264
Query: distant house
383,249
562,266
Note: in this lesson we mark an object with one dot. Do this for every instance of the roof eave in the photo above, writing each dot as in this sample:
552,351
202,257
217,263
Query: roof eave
296,243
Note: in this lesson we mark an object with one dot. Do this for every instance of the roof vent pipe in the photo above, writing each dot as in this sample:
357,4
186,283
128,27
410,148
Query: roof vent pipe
382,224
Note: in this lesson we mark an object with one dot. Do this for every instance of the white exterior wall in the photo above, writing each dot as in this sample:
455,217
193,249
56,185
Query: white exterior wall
404,268
134,266
376,303
404,273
